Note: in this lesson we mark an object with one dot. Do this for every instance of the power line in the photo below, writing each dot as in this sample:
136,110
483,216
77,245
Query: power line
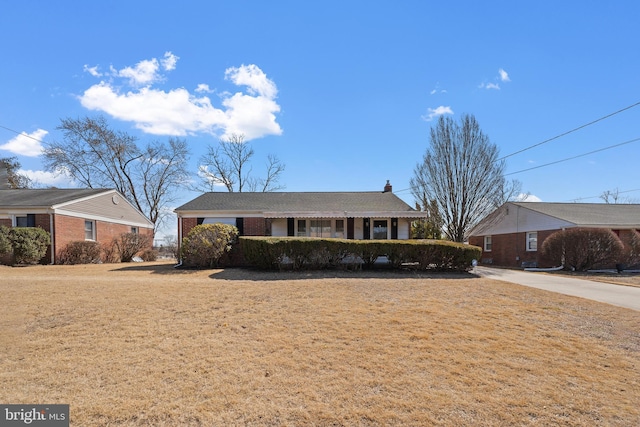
575,157
571,131
22,134
618,192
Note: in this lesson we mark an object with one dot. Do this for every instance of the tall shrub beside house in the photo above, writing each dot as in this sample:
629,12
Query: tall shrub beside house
206,244
29,244
582,249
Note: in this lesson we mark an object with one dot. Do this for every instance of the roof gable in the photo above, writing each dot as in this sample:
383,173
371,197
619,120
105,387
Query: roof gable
513,217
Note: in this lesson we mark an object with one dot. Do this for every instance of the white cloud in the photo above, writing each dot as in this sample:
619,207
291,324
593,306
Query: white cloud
169,62
144,73
252,77
48,179
526,197
439,111
92,70
203,88
26,144
178,112
489,86
504,76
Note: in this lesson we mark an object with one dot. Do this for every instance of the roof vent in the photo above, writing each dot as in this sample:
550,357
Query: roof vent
388,188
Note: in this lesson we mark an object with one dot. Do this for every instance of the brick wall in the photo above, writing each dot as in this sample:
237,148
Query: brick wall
71,229
510,250
255,227
5,222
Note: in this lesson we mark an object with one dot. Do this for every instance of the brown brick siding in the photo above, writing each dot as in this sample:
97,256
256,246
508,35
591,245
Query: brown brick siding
510,250
255,227
71,229
5,222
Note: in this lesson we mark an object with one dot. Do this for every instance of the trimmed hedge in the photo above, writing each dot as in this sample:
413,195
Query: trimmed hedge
317,253
206,244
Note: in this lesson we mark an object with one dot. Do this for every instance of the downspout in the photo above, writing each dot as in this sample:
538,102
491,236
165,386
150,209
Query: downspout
52,235
179,264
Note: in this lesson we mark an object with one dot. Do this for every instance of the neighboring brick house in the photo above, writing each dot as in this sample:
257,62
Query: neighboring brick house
348,215
72,215
513,234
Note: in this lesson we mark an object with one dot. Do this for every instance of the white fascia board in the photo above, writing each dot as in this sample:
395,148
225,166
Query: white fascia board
347,214
220,214
145,224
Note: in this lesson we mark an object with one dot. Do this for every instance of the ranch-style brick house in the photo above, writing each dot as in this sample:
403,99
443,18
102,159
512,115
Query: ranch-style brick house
513,234
347,215
72,215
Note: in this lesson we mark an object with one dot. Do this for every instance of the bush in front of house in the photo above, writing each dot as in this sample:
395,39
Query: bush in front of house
317,253
5,242
631,252
28,244
80,252
205,244
582,249
128,245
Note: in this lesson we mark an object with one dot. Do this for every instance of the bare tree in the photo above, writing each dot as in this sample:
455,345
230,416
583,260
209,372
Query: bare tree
11,178
97,156
461,173
228,164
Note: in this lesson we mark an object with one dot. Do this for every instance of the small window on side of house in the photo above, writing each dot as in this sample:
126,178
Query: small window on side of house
302,227
532,241
89,230
487,243
134,230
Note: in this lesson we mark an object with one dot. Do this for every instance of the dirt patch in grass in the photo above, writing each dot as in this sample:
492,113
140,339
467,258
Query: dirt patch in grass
146,344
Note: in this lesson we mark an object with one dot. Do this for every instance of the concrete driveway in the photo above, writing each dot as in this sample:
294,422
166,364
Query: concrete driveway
623,296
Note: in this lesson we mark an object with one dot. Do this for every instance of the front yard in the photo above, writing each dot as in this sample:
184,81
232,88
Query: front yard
145,344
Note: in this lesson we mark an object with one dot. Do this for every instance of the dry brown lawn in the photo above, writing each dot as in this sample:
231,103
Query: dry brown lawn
146,344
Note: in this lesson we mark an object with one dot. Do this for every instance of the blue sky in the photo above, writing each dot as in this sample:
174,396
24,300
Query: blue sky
344,93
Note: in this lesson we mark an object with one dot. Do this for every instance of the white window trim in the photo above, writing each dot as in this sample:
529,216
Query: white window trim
490,241
530,235
93,230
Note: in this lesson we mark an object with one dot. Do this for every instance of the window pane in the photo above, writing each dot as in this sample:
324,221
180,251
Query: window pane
88,230
21,221
339,229
380,230
532,241
320,228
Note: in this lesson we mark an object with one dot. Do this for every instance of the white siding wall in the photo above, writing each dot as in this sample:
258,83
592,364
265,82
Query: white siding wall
279,227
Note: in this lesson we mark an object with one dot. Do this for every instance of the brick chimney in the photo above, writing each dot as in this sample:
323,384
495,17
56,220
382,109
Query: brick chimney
388,188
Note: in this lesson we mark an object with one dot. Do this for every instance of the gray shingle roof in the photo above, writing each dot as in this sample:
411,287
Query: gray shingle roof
298,202
589,214
43,198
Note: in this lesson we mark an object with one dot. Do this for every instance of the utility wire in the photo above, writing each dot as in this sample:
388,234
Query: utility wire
575,157
600,195
22,134
568,132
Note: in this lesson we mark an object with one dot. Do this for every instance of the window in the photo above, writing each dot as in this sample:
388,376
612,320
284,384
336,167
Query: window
380,229
28,220
320,228
89,230
532,241
487,243
302,227
339,229
134,230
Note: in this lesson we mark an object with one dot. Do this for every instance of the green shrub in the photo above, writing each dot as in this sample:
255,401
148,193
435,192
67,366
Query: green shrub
81,252
29,244
5,242
317,253
582,249
206,244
